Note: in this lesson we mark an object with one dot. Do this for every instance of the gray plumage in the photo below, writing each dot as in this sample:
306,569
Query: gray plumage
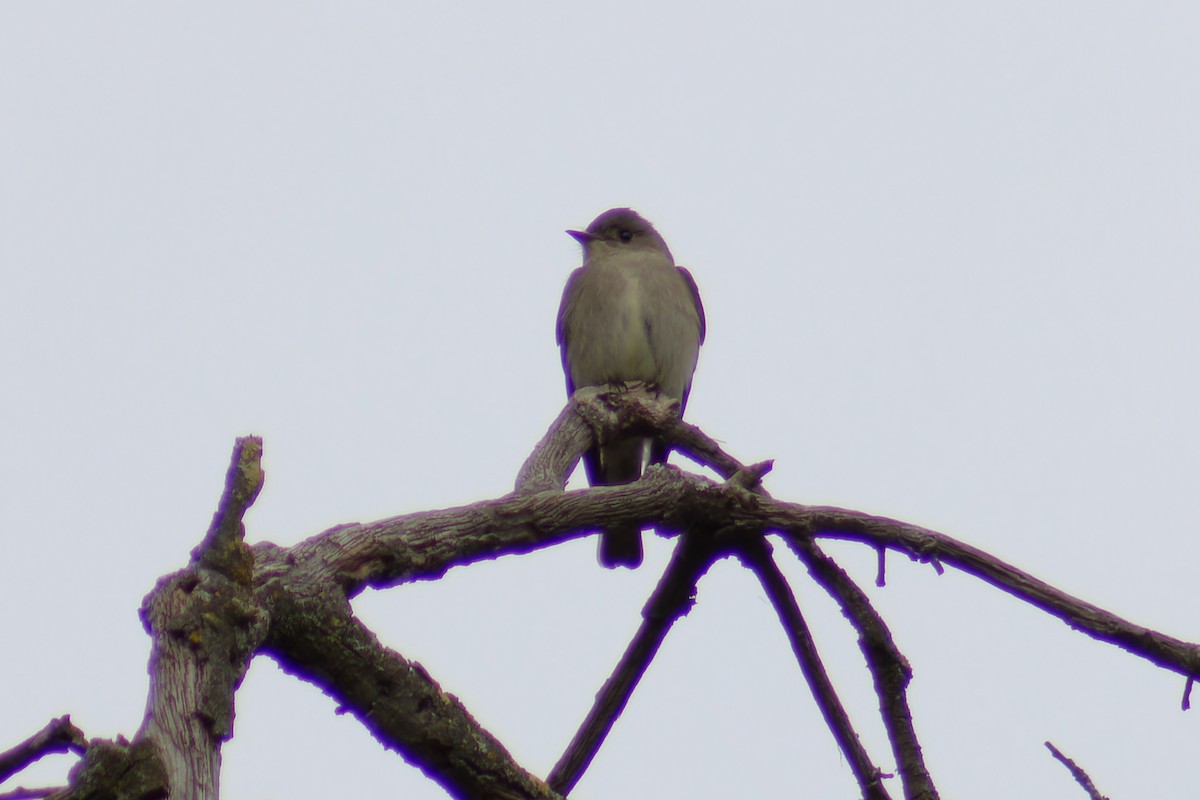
628,314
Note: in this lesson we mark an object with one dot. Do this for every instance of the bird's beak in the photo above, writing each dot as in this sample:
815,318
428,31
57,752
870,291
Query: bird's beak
583,237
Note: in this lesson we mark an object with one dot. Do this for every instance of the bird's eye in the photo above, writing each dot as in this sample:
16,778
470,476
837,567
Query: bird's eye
625,236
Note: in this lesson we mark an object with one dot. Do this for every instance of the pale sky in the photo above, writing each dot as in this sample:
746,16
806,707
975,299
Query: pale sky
950,260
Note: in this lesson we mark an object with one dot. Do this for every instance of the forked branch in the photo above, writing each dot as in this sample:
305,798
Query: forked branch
236,600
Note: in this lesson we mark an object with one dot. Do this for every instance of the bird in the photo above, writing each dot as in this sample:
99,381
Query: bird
628,314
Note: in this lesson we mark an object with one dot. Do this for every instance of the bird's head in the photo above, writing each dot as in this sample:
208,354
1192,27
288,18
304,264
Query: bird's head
619,230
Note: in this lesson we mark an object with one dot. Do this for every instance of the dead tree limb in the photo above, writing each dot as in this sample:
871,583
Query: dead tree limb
234,601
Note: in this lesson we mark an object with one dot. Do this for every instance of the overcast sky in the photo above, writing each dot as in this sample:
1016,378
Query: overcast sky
950,258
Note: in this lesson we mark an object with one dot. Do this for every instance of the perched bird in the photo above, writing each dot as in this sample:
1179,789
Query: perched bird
628,314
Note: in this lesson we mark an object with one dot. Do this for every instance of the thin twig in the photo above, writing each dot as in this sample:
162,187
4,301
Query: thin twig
1077,773
755,553
671,599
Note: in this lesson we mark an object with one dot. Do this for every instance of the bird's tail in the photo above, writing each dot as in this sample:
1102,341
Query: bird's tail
615,464
620,547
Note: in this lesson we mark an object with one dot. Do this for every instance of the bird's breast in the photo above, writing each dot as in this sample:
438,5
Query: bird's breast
633,320
624,345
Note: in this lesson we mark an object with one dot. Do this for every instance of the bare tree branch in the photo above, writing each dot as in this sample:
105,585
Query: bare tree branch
209,620
926,545
755,553
672,598
316,637
59,736
1077,773
425,545
553,459
594,413
205,627
223,548
889,668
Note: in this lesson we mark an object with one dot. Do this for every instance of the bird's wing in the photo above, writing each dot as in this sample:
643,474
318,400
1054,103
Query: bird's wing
565,308
695,290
